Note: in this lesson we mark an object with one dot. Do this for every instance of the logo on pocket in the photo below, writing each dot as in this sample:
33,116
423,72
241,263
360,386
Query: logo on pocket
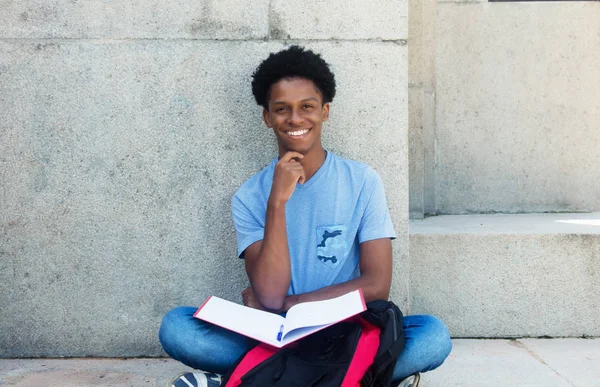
332,247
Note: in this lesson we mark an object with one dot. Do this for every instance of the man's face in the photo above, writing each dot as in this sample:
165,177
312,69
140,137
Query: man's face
296,114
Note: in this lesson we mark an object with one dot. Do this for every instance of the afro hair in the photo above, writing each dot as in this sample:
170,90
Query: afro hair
293,62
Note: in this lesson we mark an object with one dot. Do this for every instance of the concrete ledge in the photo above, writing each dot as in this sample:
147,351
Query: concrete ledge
508,275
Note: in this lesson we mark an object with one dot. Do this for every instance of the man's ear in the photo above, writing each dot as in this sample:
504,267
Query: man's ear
267,118
326,111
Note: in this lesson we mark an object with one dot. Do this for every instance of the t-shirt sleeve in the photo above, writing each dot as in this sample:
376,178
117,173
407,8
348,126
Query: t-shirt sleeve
248,228
376,222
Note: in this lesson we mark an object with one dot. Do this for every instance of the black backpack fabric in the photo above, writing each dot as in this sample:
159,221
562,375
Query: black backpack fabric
387,316
320,359
323,358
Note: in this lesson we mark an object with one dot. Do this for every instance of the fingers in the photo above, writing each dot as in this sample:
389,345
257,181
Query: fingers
245,298
250,300
302,177
247,291
289,156
297,169
290,164
288,172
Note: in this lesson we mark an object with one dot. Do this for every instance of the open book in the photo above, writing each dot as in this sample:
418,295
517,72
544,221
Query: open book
301,320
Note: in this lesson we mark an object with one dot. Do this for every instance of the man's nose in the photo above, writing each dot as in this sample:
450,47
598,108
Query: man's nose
295,118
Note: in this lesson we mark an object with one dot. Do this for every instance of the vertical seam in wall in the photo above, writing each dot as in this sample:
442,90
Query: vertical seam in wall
429,108
434,112
434,173
270,13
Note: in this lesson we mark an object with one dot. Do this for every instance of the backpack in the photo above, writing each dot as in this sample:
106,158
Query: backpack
361,351
388,317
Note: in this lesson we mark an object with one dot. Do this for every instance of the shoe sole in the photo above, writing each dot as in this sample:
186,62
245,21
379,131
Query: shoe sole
417,380
170,384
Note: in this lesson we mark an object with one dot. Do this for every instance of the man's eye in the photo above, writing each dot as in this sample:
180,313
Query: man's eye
308,106
281,109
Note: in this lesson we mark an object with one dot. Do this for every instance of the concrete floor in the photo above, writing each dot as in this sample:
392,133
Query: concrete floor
524,362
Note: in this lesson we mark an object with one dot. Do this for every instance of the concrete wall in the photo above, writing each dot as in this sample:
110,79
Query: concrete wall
507,275
126,128
504,107
503,117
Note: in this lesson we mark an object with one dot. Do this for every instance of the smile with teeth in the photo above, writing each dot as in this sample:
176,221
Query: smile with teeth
297,133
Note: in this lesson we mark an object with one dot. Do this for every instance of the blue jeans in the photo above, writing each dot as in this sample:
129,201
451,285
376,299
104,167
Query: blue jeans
204,346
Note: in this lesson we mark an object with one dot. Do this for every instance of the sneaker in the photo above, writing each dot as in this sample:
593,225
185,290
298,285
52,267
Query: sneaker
411,381
196,379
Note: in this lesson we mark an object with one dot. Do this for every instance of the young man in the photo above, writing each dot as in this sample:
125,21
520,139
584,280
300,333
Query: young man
310,226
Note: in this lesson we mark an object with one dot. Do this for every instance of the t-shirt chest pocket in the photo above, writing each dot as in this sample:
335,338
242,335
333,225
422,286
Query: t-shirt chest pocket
333,245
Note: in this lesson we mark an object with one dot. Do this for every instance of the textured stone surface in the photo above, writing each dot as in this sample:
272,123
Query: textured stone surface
429,145
530,362
89,372
508,275
415,108
540,224
339,19
421,37
415,155
492,363
139,19
574,359
421,106
421,158
517,107
118,161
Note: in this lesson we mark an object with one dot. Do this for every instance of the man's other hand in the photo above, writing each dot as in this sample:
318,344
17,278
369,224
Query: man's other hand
250,299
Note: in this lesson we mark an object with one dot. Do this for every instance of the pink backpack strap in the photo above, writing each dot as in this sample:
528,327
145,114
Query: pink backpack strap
364,355
252,358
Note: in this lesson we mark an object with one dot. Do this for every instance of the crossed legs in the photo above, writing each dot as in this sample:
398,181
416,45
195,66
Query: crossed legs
210,348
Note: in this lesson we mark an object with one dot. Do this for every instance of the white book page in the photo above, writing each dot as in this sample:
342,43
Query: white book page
319,313
254,323
299,333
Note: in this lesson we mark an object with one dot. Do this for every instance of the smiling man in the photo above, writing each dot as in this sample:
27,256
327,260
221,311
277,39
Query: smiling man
310,226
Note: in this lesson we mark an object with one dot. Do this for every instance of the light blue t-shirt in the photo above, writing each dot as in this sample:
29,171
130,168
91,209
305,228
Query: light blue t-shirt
341,206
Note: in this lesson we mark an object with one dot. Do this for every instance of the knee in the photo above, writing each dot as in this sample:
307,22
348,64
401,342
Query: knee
171,326
199,344
438,338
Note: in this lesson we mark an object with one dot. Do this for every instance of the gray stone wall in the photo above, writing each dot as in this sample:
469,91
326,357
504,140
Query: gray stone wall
508,275
125,130
503,118
504,107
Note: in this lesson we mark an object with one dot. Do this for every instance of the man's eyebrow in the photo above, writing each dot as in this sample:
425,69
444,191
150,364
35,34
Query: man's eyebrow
303,100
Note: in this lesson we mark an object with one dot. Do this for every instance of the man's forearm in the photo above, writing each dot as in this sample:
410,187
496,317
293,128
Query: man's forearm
271,273
371,288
